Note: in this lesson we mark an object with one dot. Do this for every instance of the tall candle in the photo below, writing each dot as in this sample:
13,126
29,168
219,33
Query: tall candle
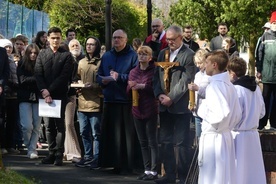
135,98
191,99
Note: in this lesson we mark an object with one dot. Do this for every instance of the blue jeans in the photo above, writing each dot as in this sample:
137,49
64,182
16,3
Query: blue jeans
30,122
90,127
198,122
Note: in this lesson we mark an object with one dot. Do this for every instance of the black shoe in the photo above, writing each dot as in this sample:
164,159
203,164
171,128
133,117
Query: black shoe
86,162
150,177
94,164
142,176
164,180
181,182
58,161
50,159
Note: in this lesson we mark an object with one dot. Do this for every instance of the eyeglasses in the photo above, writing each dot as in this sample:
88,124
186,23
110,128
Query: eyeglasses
153,26
143,54
117,37
172,39
90,44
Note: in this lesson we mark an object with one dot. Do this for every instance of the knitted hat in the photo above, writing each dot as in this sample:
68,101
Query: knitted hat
273,17
5,42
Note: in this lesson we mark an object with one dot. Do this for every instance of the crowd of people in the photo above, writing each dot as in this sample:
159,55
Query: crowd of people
135,99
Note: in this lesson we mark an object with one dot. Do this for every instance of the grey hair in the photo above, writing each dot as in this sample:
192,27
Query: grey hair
73,40
176,29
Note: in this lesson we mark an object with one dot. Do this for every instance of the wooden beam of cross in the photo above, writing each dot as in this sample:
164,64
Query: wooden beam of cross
166,65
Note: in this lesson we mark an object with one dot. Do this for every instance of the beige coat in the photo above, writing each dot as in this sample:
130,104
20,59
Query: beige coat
89,99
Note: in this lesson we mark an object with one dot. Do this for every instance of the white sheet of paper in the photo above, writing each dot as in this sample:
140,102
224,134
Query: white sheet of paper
107,78
51,110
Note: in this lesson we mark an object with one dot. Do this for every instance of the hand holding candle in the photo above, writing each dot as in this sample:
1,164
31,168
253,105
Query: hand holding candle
191,96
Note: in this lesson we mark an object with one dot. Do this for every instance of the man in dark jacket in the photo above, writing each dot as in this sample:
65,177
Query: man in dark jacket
157,40
53,70
4,74
187,38
266,71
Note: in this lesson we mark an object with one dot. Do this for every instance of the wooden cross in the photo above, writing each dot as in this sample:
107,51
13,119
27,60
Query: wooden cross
166,65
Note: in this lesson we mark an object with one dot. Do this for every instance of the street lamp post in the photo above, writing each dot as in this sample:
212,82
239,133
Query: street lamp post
108,26
149,11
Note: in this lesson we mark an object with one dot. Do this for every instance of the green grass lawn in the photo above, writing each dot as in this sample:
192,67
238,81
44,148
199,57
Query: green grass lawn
11,177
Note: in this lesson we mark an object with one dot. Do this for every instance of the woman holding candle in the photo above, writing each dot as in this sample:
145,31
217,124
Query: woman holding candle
145,111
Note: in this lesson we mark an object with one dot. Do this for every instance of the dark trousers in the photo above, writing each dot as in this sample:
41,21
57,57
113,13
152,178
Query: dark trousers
2,122
269,90
147,134
55,132
12,117
174,131
117,136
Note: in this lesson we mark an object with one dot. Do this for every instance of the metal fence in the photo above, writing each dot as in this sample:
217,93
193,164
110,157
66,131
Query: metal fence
17,19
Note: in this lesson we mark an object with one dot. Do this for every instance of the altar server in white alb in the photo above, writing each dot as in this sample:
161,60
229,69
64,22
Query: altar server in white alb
249,159
220,111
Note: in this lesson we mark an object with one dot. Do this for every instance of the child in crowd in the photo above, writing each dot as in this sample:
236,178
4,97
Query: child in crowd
249,160
220,111
199,86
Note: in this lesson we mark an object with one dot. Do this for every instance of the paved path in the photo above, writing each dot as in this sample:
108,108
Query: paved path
66,174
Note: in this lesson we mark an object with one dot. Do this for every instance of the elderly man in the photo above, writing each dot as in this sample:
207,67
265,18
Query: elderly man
174,113
157,40
117,124
72,149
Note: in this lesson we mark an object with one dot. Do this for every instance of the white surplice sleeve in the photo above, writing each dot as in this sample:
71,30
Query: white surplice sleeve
215,108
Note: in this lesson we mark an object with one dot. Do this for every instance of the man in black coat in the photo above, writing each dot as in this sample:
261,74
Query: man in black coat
187,38
4,74
53,71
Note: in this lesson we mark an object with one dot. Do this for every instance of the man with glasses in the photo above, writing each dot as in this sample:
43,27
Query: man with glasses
117,124
188,40
216,42
157,40
174,113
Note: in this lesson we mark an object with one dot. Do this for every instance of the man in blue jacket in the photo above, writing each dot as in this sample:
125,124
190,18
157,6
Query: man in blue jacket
117,124
4,74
